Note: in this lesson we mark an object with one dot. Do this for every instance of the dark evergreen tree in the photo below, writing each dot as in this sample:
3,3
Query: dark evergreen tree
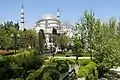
17,26
54,32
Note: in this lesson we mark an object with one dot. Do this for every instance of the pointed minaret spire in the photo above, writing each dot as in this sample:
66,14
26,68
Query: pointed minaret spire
22,18
58,14
22,6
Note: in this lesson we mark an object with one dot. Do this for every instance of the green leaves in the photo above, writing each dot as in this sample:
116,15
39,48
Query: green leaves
100,39
28,38
5,34
62,41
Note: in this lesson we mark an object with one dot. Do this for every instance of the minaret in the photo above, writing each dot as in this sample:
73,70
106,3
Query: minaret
58,15
59,22
22,18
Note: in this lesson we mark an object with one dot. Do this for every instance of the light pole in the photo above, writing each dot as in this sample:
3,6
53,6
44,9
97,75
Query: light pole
15,37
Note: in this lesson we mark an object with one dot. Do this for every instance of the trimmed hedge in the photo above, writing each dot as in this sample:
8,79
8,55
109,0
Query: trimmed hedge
47,72
62,66
51,70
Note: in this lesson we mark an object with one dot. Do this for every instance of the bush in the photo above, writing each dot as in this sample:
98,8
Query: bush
50,71
95,74
28,60
47,72
83,62
62,66
5,70
84,71
51,74
19,65
70,61
49,61
92,76
91,66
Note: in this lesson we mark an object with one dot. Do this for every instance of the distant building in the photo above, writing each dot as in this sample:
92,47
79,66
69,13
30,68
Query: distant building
48,22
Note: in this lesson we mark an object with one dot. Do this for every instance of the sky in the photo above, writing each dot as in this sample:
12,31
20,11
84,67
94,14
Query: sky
70,10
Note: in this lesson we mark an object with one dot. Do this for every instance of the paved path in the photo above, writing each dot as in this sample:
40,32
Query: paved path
71,57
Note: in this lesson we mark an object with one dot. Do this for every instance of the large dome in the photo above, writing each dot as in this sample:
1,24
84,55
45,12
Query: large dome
49,16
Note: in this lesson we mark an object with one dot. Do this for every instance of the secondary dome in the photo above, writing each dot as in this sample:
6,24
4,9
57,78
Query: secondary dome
49,16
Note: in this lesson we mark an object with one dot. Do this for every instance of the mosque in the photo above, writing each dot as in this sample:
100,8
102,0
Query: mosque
47,23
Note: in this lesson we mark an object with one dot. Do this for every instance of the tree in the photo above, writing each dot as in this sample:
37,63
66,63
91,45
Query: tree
62,41
17,26
84,32
28,38
54,32
41,41
102,41
6,30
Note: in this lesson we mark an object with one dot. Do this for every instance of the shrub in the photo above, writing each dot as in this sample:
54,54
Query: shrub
84,71
51,74
70,61
19,65
83,62
5,70
47,72
90,77
28,60
91,66
49,61
62,66
50,71
95,74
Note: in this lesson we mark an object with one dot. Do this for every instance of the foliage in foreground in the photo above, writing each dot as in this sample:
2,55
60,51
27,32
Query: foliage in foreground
19,65
100,39
112,75
51,70
87,70
47,72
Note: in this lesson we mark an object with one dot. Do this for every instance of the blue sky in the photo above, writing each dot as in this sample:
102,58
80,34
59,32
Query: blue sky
70,10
